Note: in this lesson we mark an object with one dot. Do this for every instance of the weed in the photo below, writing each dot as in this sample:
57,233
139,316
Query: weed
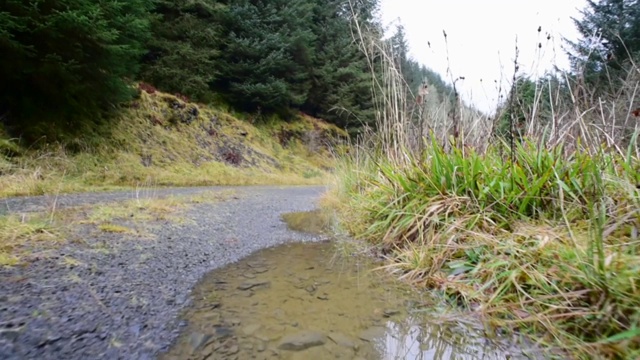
113,228
543,242
19,231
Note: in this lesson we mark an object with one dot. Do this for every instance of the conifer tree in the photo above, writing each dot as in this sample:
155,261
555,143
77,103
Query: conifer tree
265,54
65,60
183,50
610,37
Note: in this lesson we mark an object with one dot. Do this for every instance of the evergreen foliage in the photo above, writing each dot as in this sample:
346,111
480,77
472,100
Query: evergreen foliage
264,54
340,77
63,60
69,61
533,102
183,50
610,31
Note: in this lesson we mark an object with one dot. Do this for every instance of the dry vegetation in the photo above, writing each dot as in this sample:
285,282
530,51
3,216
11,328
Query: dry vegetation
22,235
161,140
539,236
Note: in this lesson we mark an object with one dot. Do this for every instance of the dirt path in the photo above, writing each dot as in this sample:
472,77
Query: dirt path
117,295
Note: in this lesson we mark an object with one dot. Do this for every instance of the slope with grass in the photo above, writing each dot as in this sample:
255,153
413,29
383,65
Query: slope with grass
164,140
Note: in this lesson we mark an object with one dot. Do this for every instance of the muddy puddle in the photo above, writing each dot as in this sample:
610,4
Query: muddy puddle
306,301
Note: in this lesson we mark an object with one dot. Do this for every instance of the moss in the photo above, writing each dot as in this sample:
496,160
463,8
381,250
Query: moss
161,140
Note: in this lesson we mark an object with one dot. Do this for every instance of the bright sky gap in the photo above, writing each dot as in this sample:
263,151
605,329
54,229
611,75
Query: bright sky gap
481,39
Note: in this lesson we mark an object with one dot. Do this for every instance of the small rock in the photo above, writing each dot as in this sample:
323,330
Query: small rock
223,332
343,340
261,346
323,297
390,312
212,317
214,305
234,349
249,275
197,340
9,334
250,284
372,333
260,270
302,340
251,329
15,299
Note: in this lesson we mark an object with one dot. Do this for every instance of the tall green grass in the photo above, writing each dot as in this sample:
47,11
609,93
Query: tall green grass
541,238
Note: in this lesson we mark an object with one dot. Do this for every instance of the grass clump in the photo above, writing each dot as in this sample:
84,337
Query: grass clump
17,231
538,235
545,245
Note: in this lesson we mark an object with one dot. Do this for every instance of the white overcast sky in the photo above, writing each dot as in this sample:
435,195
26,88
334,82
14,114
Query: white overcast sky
481,37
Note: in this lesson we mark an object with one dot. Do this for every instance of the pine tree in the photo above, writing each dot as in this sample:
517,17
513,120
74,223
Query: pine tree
265,54
63,60
610,31
340,77
182,53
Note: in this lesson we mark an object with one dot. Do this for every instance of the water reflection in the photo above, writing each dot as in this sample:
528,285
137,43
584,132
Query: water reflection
302,301
413,339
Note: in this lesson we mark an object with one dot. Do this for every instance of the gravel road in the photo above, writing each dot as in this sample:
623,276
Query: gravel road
115,296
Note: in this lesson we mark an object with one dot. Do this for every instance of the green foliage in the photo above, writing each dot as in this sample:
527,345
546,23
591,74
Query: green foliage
518,108
532,102
610,31
264,54
544,244
64,60
71,61
340,77
182,53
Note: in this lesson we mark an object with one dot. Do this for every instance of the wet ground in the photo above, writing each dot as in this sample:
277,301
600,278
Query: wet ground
92,294
310,301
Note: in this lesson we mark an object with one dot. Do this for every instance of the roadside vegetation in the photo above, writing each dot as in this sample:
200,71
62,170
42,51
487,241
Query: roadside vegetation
25,235
161,140
529,219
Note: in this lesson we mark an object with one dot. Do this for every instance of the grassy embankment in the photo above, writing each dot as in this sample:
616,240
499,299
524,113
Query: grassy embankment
545,245
158,140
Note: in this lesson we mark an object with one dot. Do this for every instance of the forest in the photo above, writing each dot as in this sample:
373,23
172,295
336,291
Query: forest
528,217
69,65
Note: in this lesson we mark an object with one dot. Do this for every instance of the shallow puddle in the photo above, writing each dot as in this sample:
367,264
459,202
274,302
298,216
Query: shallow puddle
304,301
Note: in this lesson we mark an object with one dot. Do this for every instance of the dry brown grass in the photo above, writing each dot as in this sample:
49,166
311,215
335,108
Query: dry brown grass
151,144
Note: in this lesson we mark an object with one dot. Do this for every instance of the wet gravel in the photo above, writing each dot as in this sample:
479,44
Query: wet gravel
115,296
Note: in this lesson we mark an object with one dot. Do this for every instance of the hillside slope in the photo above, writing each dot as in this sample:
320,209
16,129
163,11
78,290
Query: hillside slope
164,140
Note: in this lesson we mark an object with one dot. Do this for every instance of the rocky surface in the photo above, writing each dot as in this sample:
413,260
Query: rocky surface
118,296
302,340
